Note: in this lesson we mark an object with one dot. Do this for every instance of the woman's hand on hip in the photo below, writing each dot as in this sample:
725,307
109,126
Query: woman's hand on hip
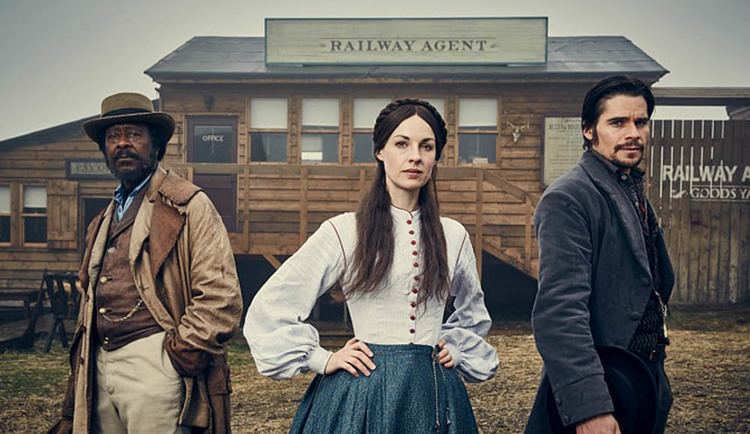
444,356
354,358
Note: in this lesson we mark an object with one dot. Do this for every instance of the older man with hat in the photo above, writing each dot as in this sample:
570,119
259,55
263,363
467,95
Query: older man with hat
161,295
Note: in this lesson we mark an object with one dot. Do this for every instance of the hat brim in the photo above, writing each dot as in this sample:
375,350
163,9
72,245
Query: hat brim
631,387
162,122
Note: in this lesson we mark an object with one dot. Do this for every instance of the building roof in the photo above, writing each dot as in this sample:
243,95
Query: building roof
696,96
208,58
67,131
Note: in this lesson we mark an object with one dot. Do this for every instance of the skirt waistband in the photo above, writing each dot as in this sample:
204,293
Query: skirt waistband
400,348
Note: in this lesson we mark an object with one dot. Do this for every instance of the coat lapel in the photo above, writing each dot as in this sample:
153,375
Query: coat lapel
157,224
98,244
631,226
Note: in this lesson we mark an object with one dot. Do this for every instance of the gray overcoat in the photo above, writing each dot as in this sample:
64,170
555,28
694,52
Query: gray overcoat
594,283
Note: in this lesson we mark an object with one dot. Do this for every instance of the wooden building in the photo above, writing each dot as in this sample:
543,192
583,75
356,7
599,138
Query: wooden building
282,146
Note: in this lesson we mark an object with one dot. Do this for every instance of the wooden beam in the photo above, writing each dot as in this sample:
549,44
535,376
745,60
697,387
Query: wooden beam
527,234
479,241
303,205
273,260
246,211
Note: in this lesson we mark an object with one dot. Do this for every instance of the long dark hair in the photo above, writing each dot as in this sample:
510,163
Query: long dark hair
373,254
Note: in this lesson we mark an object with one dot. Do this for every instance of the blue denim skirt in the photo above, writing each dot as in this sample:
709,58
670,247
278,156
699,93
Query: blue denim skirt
408,392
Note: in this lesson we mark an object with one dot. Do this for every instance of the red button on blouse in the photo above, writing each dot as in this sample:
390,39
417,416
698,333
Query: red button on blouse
413,242
412,317
408,222
412,331
414,290
411,232
414,253
412,304
416,265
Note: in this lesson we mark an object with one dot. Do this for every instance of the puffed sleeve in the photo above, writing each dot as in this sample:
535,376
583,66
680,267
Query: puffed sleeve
475,359
283,345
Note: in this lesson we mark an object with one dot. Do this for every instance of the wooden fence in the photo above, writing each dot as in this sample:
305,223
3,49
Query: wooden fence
699,183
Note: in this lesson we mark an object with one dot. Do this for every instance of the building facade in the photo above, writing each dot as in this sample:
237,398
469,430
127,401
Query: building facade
282,143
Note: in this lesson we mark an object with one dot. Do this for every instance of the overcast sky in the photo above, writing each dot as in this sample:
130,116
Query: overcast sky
61,57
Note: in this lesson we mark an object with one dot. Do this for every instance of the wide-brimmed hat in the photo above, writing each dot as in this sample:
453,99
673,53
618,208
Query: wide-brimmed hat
130,107
631,387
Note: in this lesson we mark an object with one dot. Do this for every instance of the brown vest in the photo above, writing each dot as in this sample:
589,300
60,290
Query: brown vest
121,317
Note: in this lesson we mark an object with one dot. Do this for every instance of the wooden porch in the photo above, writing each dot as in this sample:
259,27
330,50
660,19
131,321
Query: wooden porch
278,207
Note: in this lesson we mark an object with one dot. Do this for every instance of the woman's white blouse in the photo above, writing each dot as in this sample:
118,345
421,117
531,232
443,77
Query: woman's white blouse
284,345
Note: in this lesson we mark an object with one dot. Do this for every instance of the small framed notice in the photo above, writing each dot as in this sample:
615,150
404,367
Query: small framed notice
563,146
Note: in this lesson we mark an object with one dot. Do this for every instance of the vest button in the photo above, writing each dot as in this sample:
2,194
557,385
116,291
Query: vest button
102,310
103,279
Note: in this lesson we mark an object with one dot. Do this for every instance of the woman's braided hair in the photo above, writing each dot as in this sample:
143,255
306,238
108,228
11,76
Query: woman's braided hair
374,251
410,106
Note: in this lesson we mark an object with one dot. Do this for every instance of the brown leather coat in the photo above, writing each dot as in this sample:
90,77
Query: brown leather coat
184,270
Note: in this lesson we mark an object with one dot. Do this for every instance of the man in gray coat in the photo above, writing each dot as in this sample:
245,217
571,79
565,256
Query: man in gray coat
604,272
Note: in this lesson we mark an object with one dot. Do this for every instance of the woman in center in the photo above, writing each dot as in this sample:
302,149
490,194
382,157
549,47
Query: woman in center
398,262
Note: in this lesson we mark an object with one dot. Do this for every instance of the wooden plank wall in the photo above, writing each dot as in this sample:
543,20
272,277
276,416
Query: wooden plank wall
696,185
277,209
44,164
268,203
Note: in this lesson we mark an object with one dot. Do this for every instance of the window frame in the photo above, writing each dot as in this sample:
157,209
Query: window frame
23,215
482,130
251,130
361,130
9,214
204,118
320,130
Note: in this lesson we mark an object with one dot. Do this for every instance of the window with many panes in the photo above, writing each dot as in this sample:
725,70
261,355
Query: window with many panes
366,110
477,130
320,130
34,214
268,129
4,214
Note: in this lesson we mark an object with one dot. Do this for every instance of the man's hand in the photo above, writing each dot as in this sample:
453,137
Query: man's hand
604,424
354,358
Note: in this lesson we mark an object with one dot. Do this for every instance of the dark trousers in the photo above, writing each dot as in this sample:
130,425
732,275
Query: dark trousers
663,391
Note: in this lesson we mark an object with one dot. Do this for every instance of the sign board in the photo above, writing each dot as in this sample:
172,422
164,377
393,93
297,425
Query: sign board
406,41
563,146
702,177
86,168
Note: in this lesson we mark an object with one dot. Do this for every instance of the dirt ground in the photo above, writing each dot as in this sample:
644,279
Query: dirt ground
708,364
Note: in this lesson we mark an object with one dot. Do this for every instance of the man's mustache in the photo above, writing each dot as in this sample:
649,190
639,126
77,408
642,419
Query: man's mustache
630,144
126,153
